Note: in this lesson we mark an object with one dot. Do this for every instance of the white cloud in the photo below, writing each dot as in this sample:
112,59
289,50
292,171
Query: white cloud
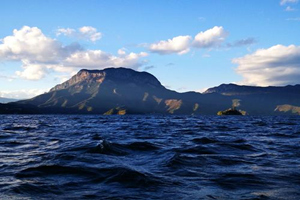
85,33
290,9
97,59
22,94
211,38
41,55
277,65
8,78
31,43
122,51
65,31
32,71
283,2
91,33
179,45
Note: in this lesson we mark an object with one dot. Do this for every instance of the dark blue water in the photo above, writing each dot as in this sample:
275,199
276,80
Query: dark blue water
149,157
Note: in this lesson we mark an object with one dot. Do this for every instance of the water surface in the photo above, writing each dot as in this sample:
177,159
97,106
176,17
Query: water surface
149,157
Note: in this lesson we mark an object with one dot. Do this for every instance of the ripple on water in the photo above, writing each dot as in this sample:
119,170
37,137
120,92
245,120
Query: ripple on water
149,157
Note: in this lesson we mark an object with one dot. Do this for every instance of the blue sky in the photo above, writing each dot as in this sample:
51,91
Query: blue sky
188,45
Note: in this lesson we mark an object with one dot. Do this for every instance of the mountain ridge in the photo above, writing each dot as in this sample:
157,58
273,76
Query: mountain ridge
100,91
100,75
229,89
126,91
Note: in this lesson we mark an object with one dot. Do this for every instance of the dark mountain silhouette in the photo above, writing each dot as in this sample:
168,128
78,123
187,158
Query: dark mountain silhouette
262,100
125,91
232,89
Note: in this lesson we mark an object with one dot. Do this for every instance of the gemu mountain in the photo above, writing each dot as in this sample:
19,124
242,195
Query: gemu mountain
125,91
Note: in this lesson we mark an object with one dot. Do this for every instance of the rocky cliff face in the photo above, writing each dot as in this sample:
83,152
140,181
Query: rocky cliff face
80,77
119,75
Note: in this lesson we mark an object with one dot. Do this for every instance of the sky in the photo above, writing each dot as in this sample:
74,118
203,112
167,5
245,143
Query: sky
189,45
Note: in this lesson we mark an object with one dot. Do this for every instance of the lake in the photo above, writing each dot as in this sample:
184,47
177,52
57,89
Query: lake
149,157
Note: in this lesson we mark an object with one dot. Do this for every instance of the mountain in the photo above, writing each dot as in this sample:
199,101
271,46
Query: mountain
125,91
7,100
232,89
262,100
118,91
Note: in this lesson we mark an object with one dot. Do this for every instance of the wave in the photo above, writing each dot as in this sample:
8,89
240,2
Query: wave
111,148
48,170
149,157
105,147
19,129
115,174
237,180
142,146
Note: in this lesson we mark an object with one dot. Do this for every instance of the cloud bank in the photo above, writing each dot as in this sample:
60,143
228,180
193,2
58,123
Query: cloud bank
277,65
41,55
22,94
209,39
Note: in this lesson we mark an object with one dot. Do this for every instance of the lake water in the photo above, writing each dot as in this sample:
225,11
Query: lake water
149,157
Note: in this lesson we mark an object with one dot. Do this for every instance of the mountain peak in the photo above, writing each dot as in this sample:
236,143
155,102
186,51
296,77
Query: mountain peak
119,75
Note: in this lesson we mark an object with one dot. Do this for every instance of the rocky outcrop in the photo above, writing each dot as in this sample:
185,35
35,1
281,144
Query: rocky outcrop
231,111
288,109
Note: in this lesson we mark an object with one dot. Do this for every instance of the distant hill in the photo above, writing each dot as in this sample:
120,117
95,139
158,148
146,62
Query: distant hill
125,91
262,100
232,89
7,100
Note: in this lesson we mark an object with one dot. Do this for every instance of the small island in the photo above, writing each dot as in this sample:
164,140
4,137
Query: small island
233,110
230,111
